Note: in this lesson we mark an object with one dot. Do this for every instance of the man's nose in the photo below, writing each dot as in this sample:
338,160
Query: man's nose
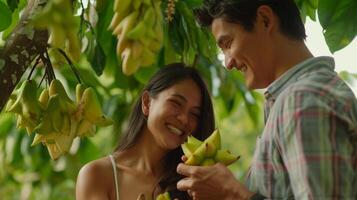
229,62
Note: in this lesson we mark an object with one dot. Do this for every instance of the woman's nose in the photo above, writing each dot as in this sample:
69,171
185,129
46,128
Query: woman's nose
183,118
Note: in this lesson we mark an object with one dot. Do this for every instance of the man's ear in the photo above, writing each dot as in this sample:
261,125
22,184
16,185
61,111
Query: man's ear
266,17
145,103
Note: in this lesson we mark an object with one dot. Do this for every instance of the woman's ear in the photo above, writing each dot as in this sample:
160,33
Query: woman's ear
145,103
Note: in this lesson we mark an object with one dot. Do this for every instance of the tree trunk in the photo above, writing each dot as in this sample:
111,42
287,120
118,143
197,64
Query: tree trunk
23,45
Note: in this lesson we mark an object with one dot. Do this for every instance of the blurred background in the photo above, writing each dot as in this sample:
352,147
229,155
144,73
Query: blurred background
29,173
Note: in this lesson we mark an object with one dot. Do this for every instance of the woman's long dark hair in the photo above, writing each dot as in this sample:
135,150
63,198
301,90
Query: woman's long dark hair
162,80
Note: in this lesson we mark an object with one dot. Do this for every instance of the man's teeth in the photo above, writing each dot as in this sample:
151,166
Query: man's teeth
175,130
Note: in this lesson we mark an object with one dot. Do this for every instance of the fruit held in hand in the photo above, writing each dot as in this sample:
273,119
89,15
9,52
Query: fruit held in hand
163,196
208,152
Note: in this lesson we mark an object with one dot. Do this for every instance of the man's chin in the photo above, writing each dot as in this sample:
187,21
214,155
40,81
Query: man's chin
251,85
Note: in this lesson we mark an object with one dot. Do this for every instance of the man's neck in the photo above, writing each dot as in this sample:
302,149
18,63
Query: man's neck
290,53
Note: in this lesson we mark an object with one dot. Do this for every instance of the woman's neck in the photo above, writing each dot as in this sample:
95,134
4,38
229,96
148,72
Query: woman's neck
144,157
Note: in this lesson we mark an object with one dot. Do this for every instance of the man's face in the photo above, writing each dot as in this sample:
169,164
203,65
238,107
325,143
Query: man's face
248,52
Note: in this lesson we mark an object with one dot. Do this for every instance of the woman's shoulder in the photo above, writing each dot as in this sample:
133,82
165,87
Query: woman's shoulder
100,168
95,177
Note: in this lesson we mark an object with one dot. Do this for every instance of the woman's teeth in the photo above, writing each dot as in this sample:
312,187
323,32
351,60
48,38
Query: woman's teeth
175,130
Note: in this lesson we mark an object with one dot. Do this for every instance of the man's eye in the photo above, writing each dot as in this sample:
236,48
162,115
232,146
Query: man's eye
227,44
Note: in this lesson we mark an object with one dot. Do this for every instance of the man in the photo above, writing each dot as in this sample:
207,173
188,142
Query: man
308,147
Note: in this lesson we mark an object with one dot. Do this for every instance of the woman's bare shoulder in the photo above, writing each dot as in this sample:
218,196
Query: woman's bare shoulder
95,179
96,168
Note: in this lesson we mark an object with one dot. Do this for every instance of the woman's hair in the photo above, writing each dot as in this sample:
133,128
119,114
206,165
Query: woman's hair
162,80
244,12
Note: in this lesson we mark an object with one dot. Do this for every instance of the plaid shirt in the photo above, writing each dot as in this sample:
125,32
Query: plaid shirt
308,147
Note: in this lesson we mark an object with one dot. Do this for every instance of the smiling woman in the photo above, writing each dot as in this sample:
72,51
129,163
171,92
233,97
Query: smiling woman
174,104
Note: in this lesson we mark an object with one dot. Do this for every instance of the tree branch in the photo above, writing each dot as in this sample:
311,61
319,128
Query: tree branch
23,45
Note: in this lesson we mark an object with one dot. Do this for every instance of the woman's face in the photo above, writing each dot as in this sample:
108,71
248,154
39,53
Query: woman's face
173,114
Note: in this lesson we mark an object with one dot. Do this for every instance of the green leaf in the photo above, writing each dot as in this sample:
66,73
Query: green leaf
88,151
6,121
184,32
348,77
189,24
14,22
220,108
227,91
330,11
252,107
338,19
98,59
313,3
311,12
13,4
13,144
193,3
175,38
145,73
104,36
5,16
337,39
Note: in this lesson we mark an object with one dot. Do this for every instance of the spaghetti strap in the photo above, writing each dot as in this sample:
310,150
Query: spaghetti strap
115,177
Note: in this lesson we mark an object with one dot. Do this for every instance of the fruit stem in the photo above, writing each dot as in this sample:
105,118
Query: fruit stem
33,67
70,64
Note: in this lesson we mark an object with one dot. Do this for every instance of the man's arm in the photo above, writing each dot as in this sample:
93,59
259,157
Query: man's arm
211,183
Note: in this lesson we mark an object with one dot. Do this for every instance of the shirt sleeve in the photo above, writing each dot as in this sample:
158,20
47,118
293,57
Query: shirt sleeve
315,147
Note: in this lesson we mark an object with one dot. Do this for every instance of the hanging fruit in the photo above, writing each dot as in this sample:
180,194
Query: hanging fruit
54,117
57,17
138,26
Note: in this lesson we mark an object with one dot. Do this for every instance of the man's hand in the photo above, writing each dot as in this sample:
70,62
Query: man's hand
211,183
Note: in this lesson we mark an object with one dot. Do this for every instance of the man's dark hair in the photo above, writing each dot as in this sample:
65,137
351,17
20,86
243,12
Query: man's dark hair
244,12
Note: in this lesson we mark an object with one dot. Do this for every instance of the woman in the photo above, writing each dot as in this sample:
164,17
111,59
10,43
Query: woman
174,104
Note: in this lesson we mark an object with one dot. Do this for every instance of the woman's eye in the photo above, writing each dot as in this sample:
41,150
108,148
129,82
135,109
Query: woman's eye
195,115
177,103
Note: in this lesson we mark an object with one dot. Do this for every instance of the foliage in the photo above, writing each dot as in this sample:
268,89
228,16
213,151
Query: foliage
29,173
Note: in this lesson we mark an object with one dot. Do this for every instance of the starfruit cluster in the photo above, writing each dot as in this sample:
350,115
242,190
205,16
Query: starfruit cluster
208,152
54,117
57,16
138,26
163,196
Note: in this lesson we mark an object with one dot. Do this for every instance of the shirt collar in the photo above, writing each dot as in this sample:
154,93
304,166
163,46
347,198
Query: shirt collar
293,73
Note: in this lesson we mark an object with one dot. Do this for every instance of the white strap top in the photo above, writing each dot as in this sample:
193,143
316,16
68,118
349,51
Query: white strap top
115,177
